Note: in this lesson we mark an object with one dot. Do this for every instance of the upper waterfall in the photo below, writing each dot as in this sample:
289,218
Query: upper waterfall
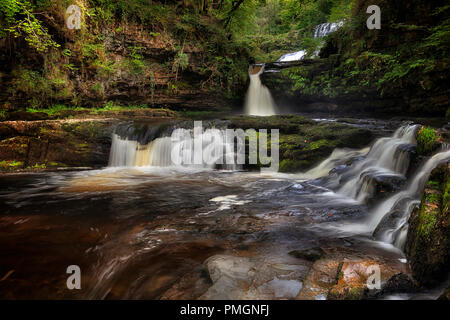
259,101
325,29
320,31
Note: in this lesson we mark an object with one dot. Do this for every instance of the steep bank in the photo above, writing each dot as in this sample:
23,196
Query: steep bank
158,54
400,69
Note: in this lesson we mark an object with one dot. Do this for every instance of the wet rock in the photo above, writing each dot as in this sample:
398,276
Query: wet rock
190,286
400,283
343,274
236,277
428,239
353,277
320,279
312,254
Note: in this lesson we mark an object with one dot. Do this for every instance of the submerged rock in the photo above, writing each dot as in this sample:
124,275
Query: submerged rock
312,254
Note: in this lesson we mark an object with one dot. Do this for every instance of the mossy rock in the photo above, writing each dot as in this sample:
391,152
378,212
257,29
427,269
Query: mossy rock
304,143
427,141
428,239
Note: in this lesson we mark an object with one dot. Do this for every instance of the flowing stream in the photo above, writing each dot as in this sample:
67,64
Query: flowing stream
138,228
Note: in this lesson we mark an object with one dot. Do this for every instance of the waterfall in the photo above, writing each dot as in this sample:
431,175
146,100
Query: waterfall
403,203
295,56
325,29
320,31
181,152
388,158
354,173
259,101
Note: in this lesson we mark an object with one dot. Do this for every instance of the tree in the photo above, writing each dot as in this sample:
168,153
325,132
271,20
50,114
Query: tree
18,19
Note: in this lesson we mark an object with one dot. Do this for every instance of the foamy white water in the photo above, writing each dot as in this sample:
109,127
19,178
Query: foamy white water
294,56
182,152
388,157
259,101
325,29
404,202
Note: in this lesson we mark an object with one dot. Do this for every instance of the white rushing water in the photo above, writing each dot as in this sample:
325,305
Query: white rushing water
259,101
182,152
294,56
404,202
320,31
352,174
325,29
388,158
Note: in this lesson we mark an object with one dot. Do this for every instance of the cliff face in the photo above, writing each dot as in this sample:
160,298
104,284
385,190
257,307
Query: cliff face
401,68
171,56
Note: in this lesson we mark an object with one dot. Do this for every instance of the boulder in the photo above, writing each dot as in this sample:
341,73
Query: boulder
253,278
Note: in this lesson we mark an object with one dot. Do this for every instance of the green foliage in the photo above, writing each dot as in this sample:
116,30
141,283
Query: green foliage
180,61
286,26
135,64
20,21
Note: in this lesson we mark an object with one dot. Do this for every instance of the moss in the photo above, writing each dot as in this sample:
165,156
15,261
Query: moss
289,165
317,144
303,143
56,164
427,140
10,164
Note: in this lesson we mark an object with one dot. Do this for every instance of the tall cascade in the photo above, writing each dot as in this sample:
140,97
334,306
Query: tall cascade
194,151
259,101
